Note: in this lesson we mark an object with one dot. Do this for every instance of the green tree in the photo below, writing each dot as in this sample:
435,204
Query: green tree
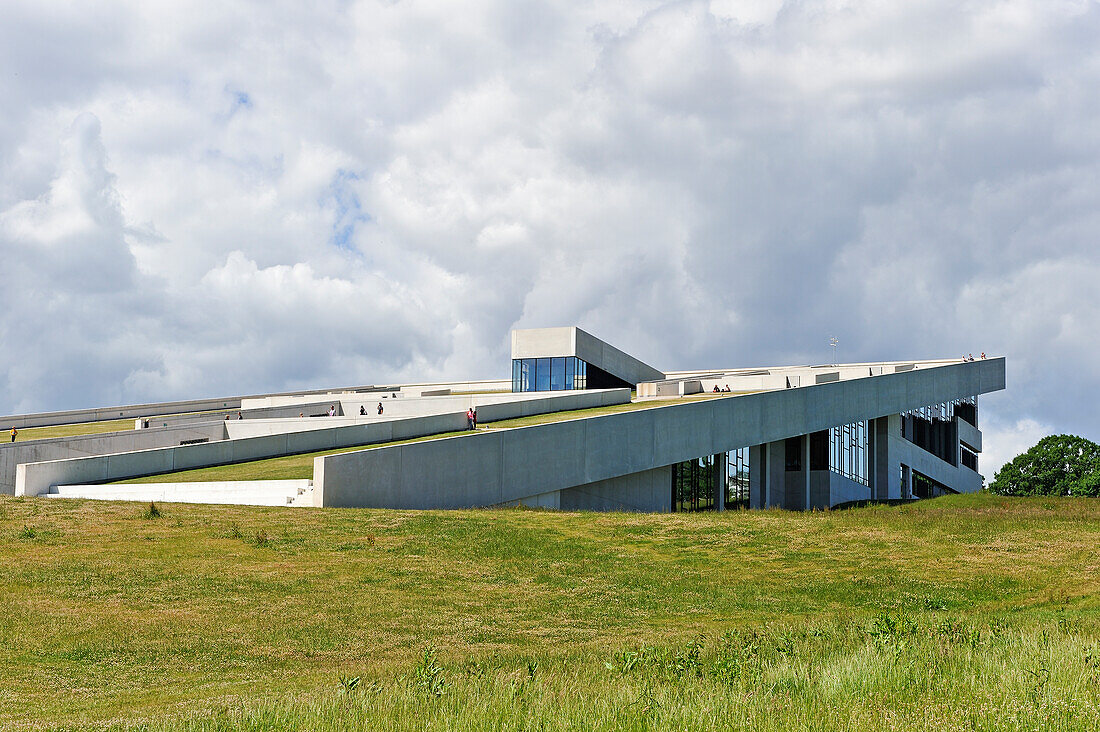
1059,465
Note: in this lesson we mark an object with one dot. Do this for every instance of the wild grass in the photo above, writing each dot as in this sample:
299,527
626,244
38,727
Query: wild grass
969,612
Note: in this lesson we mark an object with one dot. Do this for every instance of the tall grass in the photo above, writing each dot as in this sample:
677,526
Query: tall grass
895,672
970,612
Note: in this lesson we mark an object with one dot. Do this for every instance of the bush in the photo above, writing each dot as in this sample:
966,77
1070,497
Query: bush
1059,465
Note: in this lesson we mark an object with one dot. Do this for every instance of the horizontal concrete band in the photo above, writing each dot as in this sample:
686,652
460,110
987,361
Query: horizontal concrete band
133,411
510,465
37,477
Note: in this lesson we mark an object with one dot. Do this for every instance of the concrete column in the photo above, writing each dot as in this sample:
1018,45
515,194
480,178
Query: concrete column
777,475
880,479
758,469
720,481
806,471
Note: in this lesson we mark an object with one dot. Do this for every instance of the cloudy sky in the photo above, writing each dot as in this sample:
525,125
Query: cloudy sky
241,197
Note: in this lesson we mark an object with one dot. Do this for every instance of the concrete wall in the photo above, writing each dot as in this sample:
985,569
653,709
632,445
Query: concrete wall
572,341
179,420
536,403
618,363
646,491
888,451
273,438
785,377
131,411
504,406
493,468
37,478
901,451
240,492
33,451
969,435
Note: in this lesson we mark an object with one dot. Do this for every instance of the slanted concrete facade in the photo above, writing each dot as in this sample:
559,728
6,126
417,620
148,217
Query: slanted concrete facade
625,461
792,437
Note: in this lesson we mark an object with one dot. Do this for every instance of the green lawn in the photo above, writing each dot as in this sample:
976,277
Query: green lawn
72,430
298,467
967,612
90,428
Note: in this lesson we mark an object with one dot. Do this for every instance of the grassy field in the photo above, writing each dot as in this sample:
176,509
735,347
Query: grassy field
968,612
73,430
299,467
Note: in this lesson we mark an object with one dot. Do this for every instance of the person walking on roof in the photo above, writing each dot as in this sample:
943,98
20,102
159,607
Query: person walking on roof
470,418
14,432
380,407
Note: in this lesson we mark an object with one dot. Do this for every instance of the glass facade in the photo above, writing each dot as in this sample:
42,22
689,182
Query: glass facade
693,482
933,428
848,448
561,373
693,485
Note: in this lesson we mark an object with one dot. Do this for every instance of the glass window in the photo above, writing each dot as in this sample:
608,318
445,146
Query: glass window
581,380
570,367
527,375
557,373
542,374
515,374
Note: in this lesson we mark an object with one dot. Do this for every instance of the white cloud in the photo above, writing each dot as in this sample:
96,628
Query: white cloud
238,197
1004,441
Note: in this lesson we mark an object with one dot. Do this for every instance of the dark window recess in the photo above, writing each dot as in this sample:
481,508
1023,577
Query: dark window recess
968,459
600,379
967,411
925,487
195,442
937,436
819,450
792,449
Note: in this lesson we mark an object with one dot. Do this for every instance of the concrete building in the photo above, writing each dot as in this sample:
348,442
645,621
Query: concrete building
629,437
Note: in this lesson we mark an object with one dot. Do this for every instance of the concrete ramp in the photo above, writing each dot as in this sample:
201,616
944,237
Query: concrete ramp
239,493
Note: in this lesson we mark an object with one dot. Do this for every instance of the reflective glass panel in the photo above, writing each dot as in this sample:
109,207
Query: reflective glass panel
527,376
570,366
557,373
542,374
